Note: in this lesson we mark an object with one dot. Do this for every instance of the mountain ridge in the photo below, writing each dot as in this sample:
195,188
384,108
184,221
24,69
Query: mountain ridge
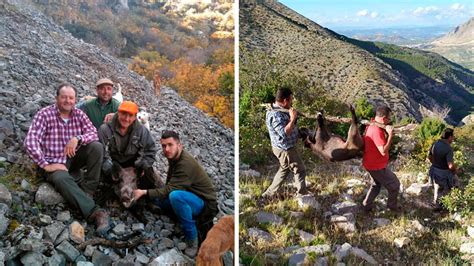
338,63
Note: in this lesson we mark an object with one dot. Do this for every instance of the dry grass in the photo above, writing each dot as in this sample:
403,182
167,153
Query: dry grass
437,244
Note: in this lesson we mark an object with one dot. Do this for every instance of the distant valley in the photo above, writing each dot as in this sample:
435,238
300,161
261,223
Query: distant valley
410,37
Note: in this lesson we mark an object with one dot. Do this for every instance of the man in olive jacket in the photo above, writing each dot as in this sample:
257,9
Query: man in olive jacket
130,144
102,108
189,191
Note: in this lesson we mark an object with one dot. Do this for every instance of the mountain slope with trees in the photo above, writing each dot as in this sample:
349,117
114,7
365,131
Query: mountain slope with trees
411,82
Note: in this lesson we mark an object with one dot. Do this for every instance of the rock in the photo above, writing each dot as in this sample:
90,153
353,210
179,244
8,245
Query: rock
4,222
342,251
25,185
52,231
141,258
322,261
5,195
89,250
415,224
467,120
344,222
306,237
416,189
258,234
470,231
57,260
45,219
171,257
344,207
47,195
4,209
119,229
64,216
68,250
401,242
317,250
99,258
467,248
457,217
271,258
33,258
379,222
166,242
296,215
354,182
249,173
308,201
266,217
165,233
76,232
363,255
84,263
140,227
296,259
64,235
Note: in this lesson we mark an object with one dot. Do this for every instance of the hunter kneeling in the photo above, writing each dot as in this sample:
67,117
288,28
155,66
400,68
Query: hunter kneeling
188,192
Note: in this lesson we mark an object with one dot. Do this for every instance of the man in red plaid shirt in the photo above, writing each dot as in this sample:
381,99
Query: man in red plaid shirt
62,140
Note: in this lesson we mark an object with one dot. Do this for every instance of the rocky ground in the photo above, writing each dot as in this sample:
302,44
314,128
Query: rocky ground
328,226
36,226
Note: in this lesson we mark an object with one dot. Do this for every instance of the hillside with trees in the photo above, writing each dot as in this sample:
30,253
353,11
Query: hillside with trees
187,46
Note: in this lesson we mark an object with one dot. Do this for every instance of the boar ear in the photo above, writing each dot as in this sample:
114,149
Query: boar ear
116,168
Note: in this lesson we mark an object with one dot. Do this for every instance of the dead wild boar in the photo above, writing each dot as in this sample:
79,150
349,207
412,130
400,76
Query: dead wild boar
332,147
126,182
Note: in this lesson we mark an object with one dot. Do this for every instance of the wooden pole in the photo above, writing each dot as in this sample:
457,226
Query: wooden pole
337,119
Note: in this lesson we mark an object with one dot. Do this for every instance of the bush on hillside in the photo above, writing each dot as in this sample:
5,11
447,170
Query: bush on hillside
427,133
363,109
461,201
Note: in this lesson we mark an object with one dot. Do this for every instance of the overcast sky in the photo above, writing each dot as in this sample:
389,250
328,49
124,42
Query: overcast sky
338,14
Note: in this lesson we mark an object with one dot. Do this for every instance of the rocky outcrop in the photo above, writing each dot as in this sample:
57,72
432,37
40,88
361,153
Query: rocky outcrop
461,35
36,55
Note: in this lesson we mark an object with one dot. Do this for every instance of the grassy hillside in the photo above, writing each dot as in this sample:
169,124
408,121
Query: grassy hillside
433,238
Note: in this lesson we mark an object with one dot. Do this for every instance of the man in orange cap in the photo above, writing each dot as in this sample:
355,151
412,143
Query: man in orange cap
128,143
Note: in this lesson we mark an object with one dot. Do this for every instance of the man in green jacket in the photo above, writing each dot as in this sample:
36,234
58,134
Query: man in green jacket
188,191
102,108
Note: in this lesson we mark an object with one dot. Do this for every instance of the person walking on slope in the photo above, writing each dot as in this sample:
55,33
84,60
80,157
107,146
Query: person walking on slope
375,161
281,124
443,170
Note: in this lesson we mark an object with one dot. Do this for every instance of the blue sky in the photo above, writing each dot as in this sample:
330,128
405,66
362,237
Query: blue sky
336,14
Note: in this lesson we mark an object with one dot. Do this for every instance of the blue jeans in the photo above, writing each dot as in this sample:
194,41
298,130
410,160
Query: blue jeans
186,206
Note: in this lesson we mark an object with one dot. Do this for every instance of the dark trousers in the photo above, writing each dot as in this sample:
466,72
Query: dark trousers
290,162
387,179
72,185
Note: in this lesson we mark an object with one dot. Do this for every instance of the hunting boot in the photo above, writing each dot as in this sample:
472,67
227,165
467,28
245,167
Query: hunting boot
192,247
102,221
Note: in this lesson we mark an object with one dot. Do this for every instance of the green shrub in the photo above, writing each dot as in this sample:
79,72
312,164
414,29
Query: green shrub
427,133
461,201
363,109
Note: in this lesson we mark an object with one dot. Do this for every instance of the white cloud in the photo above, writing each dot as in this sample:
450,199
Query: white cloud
363,13
374,14
457,6
429,10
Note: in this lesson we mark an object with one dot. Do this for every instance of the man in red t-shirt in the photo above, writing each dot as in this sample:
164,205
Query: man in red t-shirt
375,160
